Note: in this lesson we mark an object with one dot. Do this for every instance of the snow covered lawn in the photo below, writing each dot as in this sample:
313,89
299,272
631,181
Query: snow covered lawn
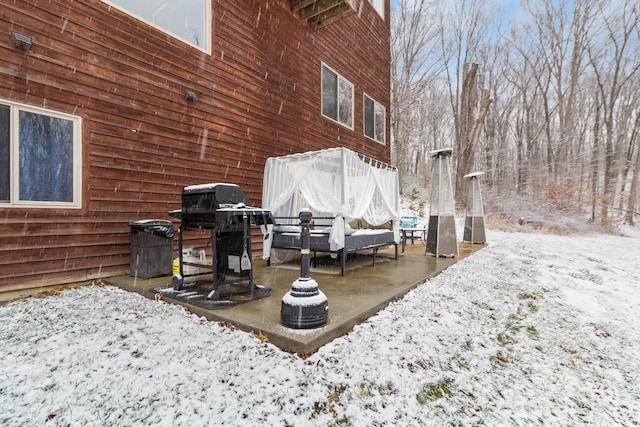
534,329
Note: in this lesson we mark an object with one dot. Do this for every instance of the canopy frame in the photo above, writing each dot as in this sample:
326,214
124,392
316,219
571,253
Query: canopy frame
335,182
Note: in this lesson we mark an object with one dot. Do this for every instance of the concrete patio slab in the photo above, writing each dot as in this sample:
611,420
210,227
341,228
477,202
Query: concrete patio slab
352,299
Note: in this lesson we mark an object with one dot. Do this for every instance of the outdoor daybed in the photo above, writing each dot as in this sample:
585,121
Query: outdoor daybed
339,186
286,237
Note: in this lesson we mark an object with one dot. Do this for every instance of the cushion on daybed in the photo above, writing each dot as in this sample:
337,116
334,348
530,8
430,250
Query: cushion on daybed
348,231
362,223
286,228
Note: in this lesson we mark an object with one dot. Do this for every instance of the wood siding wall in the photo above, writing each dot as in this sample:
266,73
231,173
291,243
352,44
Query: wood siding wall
258,95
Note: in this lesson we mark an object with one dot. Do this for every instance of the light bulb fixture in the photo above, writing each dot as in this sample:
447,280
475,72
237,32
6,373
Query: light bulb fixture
21,41
190,96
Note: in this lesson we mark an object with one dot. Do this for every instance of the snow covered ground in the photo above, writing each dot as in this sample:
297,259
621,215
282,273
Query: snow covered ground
534,329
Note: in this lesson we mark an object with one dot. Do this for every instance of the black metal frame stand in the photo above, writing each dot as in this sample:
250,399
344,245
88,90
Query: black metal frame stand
217,277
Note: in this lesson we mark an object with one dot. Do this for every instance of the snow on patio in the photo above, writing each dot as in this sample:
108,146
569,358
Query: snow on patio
534,329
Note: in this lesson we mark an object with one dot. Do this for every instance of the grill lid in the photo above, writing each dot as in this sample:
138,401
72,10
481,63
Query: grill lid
218,205
221,193
208,198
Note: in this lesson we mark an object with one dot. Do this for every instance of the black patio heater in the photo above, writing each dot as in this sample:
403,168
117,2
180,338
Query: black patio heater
226,212
304,306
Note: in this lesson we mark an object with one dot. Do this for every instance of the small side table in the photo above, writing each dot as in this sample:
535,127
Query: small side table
410,233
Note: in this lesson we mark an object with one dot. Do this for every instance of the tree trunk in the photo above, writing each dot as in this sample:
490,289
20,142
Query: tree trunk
633,188
609,178
472,115
594,159
627,160
633,191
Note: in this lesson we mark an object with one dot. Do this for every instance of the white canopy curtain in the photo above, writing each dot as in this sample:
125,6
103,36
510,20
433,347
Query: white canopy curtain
336,182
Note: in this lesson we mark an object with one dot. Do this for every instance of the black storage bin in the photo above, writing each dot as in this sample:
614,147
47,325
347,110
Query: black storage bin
151,248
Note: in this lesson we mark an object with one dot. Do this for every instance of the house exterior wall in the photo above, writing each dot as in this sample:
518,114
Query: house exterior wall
258,96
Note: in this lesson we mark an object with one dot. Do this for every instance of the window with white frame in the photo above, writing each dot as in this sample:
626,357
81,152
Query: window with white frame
378,5
337,97
374,119
188,20
40,158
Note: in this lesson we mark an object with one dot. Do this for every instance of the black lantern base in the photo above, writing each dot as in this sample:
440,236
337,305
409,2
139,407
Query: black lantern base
304,306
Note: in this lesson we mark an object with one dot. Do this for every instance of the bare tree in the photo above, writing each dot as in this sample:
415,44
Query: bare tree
633,188
613,69
627,130
413,69
562,31
471,114
562,84
466,29
595,174
531,78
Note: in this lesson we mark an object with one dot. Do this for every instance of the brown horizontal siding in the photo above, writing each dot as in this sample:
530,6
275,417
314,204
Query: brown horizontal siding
258,95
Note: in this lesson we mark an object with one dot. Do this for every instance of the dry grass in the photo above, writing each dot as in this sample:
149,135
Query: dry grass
506,210
509,211
44,292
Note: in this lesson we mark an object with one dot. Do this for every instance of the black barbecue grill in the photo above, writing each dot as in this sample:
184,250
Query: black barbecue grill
227,212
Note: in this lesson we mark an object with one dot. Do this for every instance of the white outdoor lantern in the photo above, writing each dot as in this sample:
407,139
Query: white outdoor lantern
474,218
441,233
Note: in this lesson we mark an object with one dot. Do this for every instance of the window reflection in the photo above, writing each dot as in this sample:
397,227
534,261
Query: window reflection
337,97
186,19
46,158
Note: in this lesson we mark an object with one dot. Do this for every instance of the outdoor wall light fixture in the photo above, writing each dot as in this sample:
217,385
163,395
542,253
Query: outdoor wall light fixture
191,96
21,41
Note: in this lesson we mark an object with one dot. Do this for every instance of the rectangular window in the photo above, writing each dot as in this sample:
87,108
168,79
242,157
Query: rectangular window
378,5
337,97
5,161
374,120
187,20
40,158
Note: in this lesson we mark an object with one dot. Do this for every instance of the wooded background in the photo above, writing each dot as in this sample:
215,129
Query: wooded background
543,97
